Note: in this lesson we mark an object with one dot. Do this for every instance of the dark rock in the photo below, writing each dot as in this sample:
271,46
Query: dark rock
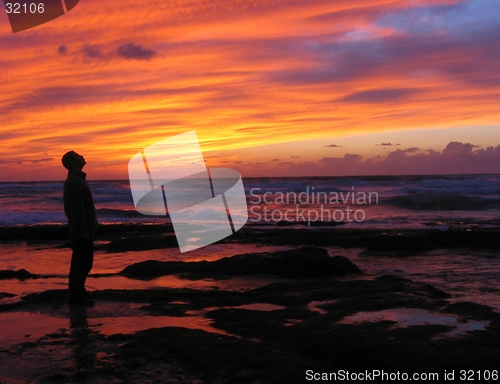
344,264
436,292
51,232
301,262
34,232
134,242
443,202
21,274
131,237
6,294
392,278
421,288
475,310
54,296
472,238
218,358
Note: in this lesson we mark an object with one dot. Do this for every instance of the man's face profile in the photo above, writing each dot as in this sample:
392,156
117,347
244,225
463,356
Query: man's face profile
78,160
73,161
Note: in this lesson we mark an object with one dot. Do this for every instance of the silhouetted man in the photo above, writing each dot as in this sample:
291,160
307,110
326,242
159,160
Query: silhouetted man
80,210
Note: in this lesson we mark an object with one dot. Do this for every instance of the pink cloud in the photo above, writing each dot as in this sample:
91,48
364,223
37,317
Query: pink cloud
456,158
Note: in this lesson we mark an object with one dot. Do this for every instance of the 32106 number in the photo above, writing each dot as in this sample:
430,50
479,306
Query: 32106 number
25,8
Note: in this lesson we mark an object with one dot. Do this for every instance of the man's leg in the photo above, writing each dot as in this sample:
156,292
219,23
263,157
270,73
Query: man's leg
89,262
81,264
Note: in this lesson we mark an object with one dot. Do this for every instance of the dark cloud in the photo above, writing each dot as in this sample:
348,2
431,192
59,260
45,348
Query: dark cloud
257,164
387,144
456,158
347,157
34,161
135,52
455,148
63,50
468,55
294,157
412,150
56,96
53,97
345,164
276,160
93,51
379,95
334,146
128,51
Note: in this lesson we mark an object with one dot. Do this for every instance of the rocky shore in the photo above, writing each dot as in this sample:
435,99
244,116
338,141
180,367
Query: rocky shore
325,316
135,237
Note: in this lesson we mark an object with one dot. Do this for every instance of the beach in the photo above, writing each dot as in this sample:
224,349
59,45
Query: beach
249,192
278,301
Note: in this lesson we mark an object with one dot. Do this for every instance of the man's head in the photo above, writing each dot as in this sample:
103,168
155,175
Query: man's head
72,161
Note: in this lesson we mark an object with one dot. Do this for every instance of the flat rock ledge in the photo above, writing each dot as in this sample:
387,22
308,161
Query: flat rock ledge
300,262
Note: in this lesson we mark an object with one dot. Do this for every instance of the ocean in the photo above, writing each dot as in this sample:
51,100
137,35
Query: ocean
393,202
406,202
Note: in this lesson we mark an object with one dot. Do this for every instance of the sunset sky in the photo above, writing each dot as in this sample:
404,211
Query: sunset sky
272,87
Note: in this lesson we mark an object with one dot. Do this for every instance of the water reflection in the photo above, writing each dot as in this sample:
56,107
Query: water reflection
82,338
407,317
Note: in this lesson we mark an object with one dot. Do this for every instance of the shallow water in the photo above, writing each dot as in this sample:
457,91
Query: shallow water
315,306
466,274
408,317
113,325
107,318
18,327
49,259
52,264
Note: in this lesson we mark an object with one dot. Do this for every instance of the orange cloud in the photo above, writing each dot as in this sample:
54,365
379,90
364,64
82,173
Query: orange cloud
108,80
